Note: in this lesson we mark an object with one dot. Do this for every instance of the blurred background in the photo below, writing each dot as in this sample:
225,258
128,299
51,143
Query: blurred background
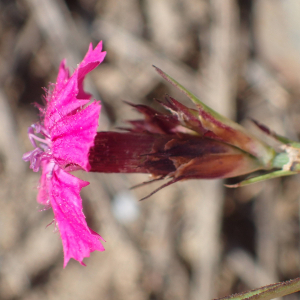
192,240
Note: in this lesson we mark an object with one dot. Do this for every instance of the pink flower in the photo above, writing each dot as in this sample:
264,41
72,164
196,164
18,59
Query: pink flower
68,126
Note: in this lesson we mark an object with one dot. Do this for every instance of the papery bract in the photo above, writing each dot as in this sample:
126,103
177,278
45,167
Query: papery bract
77,238
68,125
183,143
169,145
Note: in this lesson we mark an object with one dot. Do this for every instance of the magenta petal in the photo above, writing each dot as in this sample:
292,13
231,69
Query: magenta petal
77,238
62,102
68,94
95,55
63,76
91,60
43,195
68,124
73,136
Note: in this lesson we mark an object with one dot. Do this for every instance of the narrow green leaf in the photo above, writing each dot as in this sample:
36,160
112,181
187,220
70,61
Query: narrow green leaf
194,98
274,174
271,291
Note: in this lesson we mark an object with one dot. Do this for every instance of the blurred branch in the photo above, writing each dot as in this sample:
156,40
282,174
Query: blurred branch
266,225
57,26
64,38
130,48
221,71
9,143
251,273
219,90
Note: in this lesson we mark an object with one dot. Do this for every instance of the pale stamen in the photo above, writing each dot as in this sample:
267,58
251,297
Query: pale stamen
42,148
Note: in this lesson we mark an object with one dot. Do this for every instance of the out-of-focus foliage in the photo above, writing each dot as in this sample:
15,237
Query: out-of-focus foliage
193,240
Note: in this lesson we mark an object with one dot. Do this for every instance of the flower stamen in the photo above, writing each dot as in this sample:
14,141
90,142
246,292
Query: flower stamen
41,151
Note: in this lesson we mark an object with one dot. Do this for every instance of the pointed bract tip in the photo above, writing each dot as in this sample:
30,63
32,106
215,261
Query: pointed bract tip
161,73
160,188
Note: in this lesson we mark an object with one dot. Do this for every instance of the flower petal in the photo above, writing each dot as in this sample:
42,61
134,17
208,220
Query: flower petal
63,76
77,238
91,60
93,56
68,94
43,195
62,102
73,136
